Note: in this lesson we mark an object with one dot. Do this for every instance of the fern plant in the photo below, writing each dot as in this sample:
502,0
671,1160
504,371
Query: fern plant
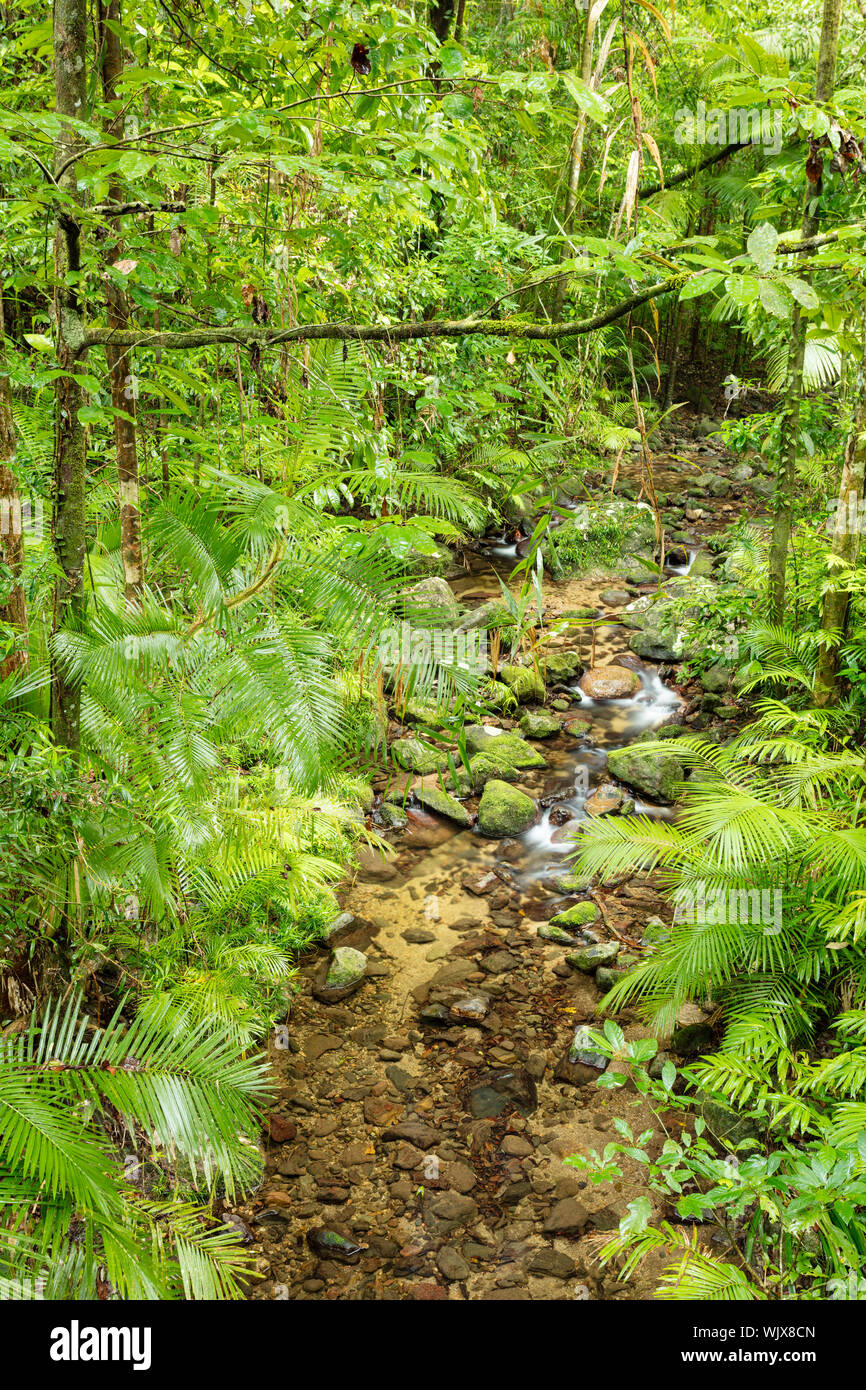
74,1216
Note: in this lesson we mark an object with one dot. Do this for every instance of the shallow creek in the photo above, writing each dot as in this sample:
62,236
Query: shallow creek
437,1152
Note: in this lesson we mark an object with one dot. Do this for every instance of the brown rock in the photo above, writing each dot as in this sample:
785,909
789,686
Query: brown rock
568,1217
282,1131
609,683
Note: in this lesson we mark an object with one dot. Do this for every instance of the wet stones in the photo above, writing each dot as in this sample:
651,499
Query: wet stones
479,887
451,1264
548,932
553,1263
609,683
280,1130
343,974
445,1211
415,1132
499,1090
467,1009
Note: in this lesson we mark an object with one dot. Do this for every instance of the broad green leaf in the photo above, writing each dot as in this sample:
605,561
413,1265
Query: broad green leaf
775,299
762,244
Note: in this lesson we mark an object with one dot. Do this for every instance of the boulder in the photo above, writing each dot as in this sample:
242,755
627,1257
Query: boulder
650,645
524,682
715,680
504,811
343,974
417,756
610,683
589,958
538,724
606,800
656,774
431,603
561,666
578,916
435,799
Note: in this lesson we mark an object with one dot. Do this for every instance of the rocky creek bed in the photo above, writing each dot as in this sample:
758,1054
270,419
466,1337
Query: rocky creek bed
416,1148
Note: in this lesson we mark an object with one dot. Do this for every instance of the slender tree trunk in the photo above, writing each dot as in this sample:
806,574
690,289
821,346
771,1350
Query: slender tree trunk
672,354
575,154
790,432
13,609
123,394
845,548
459,21
70,451
441,13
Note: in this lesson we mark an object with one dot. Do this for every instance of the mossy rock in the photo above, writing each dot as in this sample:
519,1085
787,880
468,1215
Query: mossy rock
504,811
574,882
524,682
548,932
497,696
435,799
650,645
345,972
431,602
421,713
657,775
692,1038
539,724
561,666
578,916
728,1125
416,756
590,958
484,768
606,977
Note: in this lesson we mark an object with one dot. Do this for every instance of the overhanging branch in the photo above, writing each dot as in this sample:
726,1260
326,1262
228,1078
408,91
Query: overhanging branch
382,333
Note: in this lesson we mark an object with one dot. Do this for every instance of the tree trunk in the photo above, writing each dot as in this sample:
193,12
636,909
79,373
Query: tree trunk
846,548
123,394
70,450
790,432
575,154
441,13
672,354
13,609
